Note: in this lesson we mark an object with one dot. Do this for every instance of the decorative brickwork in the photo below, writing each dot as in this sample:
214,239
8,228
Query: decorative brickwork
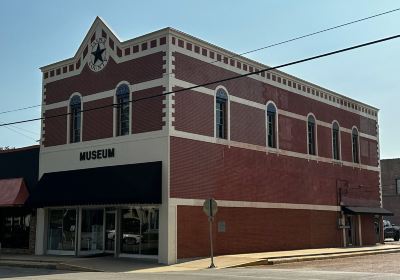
255,230
229,173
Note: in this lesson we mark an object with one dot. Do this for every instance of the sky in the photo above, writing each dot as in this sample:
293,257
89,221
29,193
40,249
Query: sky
37,33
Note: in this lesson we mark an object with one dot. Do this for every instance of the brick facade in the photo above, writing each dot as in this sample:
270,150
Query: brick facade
299,194
255,230
252,173
391,199
229,173
134,71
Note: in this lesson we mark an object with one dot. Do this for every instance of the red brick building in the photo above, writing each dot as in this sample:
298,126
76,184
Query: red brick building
292,165
391,187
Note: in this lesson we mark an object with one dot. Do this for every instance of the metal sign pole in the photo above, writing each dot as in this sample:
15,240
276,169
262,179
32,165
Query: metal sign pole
210,219
210,209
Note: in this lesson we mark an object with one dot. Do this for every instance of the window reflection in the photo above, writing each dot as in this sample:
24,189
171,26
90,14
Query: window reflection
92,230
139,231
62,229
14,227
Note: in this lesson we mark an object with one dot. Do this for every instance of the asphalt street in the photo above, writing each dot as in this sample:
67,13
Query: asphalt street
383,266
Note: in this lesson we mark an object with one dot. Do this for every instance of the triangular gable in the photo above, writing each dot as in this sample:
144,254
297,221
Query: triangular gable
101,34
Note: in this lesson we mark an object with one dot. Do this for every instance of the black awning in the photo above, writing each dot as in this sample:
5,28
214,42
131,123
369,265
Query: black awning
121,184
366,210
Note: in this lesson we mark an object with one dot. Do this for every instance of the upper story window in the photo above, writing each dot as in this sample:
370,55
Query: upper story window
271,125
398,186
311,135
335,141
75,119
123,108
355,145
221,114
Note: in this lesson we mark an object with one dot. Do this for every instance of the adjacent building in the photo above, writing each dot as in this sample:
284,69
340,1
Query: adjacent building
18,177
391,187
133,142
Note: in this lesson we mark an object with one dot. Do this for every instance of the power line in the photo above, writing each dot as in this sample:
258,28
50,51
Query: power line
26,130
20,109
220,81
308,35
266,47
321,31
20,133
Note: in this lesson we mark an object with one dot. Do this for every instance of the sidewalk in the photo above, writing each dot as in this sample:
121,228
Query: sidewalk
111,264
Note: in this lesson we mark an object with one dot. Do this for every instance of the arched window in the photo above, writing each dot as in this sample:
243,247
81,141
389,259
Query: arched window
271,125
123,107
354,141
311,134
335,141
221,114
75,119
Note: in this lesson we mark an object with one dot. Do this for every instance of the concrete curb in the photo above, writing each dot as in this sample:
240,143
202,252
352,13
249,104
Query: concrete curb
47,265
326,256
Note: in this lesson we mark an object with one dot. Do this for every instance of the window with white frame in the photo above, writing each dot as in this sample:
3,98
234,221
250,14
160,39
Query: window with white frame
355,145
123,110
221,114
75,106
335,141
311,135
271,125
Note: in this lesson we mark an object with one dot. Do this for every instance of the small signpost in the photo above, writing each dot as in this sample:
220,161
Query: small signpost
210,208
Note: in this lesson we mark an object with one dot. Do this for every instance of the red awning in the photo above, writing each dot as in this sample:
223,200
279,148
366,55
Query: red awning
13,192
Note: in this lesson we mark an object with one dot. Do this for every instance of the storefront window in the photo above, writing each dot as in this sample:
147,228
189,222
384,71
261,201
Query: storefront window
149,245
92,235
62,226
139,231
14,227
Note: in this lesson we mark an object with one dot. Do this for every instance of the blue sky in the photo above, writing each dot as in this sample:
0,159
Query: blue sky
37,33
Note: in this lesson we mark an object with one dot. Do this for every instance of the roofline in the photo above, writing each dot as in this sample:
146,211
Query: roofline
266,66
171,30
11,150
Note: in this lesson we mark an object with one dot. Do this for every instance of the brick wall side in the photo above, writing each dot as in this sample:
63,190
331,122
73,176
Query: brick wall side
97,124
197,72
324,138
368,154
201,170
194,112
292,134
392,203
247,124
147,115
55,130
346,146
134,71
255,230
391,199
390,172
32,234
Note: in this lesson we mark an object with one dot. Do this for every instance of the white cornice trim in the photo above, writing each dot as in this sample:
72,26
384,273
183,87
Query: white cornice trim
230,143
251,204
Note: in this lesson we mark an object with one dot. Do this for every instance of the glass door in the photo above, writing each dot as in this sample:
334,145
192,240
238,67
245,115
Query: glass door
350,234
92,231
110,233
